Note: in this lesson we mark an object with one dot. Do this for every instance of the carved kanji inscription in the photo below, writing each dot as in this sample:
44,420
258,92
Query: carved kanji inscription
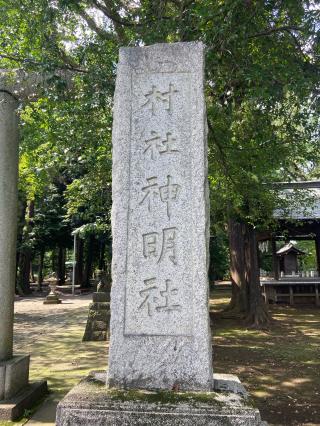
156,98
157,146
162,246
159,299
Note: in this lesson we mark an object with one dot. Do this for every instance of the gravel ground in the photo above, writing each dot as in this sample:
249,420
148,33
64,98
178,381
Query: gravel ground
52,334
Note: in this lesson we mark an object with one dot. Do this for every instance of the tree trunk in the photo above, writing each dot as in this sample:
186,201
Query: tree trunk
239,298
24,271
88,264
79,262
21,225
101,255
275,262
61,270
246,298
40,270
32,277
25,255
257,314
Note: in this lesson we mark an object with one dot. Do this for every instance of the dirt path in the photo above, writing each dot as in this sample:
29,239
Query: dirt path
52,334
280,368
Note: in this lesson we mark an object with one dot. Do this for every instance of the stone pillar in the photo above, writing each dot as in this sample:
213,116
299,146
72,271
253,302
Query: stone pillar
8,218
16,393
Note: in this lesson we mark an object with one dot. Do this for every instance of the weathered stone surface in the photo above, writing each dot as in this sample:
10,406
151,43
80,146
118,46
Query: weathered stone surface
91,403
8,215
160,334
98,322
52,299
16,375
100,296
13,408
229,383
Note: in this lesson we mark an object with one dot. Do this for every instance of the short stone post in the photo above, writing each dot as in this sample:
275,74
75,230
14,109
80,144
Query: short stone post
16,394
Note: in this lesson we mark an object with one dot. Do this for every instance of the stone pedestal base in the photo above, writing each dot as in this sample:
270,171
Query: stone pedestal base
14,375
52,299
98,322
92,403
13,408
16,394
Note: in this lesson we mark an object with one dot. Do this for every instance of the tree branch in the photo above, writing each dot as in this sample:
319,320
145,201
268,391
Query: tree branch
275,30
222,155
93,26
19,59
116,19
114,16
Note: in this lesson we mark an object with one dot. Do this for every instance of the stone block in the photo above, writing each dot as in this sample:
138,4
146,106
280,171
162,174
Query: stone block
52,299
14,375
13,408
100,297
160,331
229,383
100,325
99,306
92,403
98,321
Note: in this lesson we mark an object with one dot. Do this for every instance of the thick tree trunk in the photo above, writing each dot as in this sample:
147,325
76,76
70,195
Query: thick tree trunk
40,270
239,298
88,263
61,270
257,315
24,271
246,296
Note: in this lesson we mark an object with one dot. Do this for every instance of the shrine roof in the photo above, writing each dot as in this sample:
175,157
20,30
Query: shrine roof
308,209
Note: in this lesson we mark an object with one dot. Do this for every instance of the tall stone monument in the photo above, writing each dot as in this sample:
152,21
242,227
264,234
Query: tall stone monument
160,360
16,393
160,334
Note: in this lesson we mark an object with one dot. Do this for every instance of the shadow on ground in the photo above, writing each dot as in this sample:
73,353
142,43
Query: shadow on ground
280,367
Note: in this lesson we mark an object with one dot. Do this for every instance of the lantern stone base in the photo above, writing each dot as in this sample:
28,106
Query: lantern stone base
52,299
16,394
91,402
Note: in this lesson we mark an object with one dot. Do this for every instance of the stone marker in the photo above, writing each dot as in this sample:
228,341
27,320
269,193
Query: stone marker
98,322
160,333
16,393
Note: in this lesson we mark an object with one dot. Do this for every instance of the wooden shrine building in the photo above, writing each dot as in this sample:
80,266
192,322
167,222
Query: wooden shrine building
288,259
303,223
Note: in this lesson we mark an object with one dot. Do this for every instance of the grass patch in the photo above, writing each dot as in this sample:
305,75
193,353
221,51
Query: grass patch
163,397
280,367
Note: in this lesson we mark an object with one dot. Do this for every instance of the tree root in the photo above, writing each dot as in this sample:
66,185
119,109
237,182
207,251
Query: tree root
259,319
